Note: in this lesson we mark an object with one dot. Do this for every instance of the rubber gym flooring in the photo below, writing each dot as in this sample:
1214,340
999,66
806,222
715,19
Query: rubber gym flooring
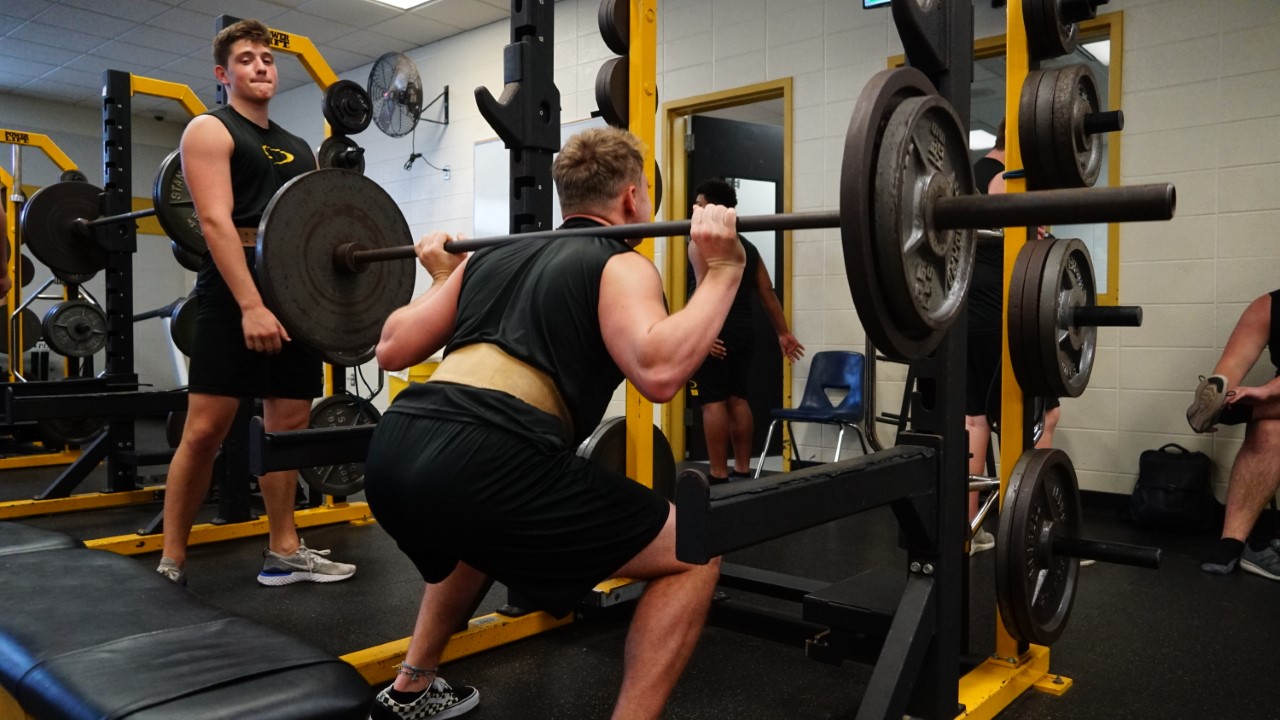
1172,643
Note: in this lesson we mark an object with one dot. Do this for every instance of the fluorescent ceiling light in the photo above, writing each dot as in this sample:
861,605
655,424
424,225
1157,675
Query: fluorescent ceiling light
981,140
1100,49
403,4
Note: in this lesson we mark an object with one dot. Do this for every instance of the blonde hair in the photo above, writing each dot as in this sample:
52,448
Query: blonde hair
251,30
594,166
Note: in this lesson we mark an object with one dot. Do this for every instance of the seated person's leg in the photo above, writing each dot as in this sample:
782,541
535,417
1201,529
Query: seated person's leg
1255,475
1243,348
1052,414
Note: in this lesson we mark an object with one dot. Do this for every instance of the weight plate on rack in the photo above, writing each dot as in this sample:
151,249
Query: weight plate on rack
614,19
1036,587
1079,154
348,358
339,151
607,446
75,328
613,92
28,324
1066,350
186,258
345,479
347,108
49,228
182,324
175,210
1049,34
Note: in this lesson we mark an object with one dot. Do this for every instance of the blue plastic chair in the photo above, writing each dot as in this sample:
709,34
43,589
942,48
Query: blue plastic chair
829,370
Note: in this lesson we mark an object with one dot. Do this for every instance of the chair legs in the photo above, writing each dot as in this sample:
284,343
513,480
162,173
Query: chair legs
765,453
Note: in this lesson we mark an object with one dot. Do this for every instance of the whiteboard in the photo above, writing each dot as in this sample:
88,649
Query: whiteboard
492,212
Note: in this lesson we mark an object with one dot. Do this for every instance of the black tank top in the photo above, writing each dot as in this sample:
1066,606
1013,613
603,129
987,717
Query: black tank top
538,300
738,333
986,291
262,161
1273,342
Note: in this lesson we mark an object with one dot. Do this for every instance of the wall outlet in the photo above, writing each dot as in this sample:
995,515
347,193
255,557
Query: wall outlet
447,173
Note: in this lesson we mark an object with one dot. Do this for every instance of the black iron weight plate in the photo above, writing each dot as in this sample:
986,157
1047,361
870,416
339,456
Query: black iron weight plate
175,210
75,328
339,151
1023,318
925,272
345,479
186,258
613,94
48,227
614,19
26,270
607,446
1066,351
28,324
1079,154
858,200
182,324
1035,588
70,430
347,107
1037,163
348,358
319,304
71,278
1048,33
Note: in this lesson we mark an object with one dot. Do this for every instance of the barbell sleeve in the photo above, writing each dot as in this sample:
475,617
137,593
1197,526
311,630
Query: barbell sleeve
1109,552
109,219
1104,122
1107,316
1074,206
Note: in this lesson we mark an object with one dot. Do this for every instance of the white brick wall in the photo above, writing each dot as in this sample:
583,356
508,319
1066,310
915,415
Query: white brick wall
1202,105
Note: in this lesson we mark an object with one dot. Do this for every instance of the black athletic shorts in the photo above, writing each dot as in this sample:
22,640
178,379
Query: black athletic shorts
221,364
982,383
525,511
717,380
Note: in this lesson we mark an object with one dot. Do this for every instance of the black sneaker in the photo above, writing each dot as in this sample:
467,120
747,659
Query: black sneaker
437,701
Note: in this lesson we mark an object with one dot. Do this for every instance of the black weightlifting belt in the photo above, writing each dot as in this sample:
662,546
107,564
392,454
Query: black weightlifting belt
485,365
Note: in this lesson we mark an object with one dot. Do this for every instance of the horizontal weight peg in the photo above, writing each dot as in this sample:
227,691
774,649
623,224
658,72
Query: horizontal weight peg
1107,316
1108,552
1103,122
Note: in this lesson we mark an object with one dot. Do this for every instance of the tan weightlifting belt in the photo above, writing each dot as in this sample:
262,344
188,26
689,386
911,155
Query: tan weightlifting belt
487,366
248,236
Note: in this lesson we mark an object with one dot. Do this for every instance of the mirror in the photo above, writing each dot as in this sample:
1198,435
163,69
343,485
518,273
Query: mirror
1100,49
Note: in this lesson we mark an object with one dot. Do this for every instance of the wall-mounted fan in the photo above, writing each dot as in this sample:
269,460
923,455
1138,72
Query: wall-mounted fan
395,89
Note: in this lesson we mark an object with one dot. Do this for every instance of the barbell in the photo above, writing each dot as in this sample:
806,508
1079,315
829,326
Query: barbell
907,206
58,219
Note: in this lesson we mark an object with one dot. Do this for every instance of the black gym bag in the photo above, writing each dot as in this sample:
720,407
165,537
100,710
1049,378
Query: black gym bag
1173,492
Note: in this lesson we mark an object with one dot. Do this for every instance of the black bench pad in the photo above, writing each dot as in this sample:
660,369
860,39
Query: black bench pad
91,634
17,538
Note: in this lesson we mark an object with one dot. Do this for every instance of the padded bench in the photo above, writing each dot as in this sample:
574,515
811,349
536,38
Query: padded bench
91,634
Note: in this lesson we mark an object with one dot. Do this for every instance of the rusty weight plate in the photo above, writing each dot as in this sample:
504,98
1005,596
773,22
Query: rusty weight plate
317,302
1036,587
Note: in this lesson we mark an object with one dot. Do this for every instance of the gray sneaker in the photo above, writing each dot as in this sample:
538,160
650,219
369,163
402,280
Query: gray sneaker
1264,562
981,542
304,565
171,572
1204,410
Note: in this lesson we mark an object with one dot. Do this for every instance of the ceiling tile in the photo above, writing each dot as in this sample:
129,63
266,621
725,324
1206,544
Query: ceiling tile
189,66
38,32
133,10
31,68
369,43
26,9
461,14
9,22
256,9
415,29
121,52
13,47
317,29
72,18
71,76
353,13
187,22
148,37
43,87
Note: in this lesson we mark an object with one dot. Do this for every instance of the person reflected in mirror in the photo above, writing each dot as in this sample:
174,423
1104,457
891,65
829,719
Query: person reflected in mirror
721,384
986,331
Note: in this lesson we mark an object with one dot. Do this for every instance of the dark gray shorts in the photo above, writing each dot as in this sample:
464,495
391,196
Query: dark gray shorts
548,524
221,364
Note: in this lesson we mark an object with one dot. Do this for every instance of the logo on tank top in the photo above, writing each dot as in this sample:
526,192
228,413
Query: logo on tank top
277,156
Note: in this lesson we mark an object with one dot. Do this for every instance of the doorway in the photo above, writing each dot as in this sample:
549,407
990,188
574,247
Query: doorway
742,136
